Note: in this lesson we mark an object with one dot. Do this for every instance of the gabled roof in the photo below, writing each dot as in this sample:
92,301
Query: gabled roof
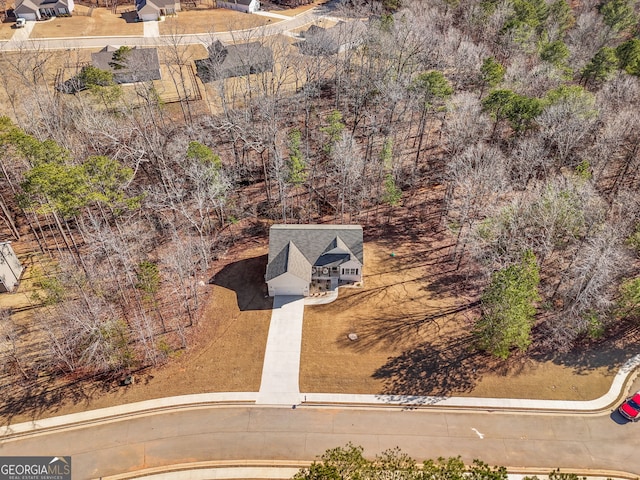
234,60
328,41
289,259
31,6
314,242
26,6
139,65
332,258
151,6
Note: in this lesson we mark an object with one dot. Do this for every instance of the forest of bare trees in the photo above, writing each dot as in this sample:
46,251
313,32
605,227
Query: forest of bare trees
514,123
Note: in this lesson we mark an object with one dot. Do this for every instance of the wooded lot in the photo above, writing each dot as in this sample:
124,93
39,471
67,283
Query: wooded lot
514,125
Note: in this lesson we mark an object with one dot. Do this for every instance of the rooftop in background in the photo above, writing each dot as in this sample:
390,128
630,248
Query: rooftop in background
226,61
132,65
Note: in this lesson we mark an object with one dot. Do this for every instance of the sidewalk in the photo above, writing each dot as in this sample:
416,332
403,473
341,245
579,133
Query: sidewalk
622,383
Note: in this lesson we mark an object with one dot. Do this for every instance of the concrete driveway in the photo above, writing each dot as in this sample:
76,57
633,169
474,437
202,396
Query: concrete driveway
281,368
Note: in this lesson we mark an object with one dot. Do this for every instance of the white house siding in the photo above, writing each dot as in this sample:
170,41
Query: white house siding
251,8
254,6
10,268
288,284
148,17
351,264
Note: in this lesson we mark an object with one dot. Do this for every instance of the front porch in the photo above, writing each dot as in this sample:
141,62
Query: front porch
324,285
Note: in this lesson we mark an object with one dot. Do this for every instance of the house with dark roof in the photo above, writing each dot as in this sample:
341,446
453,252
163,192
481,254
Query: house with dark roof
329,41
307,259
40,9
227,61
152,10
128,64
246,6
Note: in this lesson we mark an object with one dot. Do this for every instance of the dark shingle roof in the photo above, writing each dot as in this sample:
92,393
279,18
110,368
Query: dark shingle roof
328,41
139,65
313,242
291,260
226,61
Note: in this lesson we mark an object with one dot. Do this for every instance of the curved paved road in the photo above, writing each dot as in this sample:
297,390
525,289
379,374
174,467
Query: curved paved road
160,40
579,441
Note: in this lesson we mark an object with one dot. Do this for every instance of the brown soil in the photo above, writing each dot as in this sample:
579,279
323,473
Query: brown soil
101,23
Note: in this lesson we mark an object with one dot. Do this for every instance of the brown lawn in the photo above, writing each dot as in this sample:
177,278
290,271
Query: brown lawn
410,341
203,20
6,30
226,355
101,23
414,341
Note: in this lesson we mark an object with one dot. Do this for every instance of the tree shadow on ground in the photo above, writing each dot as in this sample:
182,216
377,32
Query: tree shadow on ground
246,279
396,329
46,395
619,344
438,366
433,370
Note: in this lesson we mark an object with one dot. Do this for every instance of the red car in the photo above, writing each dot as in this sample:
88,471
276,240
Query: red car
631,408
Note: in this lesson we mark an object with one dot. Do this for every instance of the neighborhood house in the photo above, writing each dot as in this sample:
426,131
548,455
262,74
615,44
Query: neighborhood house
40,9
329,41
10,268
247,6
310,259
151,10
227,61
128,64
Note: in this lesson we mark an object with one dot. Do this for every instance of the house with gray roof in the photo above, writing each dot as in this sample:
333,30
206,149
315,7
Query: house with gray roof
128,64
237,60
308,259
41,9
328,41
152,10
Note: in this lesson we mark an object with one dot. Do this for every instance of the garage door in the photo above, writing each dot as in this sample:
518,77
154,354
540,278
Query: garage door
285,290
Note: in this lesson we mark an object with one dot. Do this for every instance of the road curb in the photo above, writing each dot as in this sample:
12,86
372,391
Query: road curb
618,390
286,469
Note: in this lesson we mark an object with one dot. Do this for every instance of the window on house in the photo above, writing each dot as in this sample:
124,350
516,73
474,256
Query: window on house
349,271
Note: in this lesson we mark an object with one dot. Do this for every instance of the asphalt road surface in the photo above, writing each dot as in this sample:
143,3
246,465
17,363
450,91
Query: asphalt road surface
577,441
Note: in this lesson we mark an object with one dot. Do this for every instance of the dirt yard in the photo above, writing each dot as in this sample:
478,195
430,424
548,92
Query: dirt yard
414,342
101,23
